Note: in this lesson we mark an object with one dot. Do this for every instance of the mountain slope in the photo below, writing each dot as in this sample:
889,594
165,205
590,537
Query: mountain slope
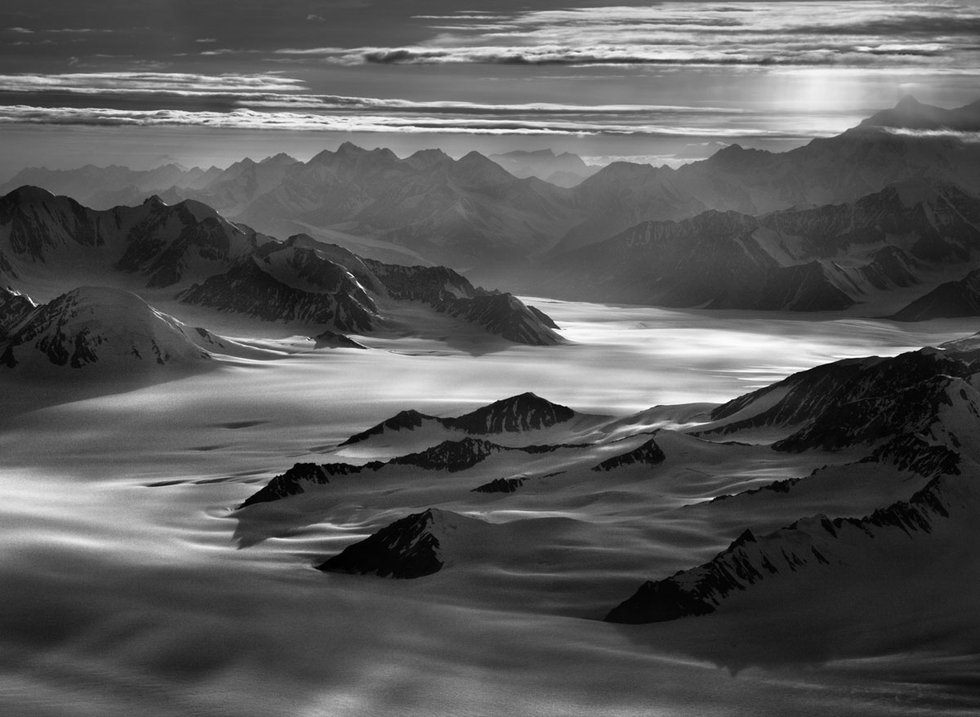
54,238
191,253
516,414
817,543
824,258
94,325
949,300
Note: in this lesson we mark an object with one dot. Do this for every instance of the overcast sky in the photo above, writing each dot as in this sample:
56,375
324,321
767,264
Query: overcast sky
142,82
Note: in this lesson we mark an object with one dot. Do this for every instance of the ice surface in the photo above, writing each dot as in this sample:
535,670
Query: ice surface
125,593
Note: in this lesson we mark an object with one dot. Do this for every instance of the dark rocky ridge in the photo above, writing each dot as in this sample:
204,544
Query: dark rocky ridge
292,481
407,548
207,261
91,325
806,544
449,293
14,308
247,289
647,454
524,412
855,401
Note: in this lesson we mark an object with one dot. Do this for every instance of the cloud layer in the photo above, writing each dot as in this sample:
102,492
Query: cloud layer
819,33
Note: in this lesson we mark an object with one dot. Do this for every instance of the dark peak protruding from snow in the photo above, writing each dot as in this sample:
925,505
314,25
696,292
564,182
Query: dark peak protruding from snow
302,475
90,325
506,315
812,543
154,200
451,456
647,454
334,340
856,401
403,420
407,548
524,412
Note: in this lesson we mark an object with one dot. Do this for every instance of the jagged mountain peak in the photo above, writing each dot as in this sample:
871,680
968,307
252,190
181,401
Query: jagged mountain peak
523,412
426,160
280,159
403,420
407,548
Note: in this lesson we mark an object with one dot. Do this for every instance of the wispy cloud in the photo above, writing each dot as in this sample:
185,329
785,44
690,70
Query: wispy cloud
868,33
361,122
147,82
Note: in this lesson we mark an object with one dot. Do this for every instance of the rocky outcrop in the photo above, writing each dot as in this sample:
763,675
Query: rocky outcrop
248,289
407,548
302,475
524,412
647,454
97,325
859,401
14,308
403,420
506,316
451,456
809,544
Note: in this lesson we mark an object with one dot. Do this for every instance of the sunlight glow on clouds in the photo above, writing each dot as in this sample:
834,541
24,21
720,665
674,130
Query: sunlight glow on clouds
359,122
867,33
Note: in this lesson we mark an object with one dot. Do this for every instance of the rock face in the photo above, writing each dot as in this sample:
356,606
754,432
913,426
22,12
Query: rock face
94,325
205,260
166,245
506,315
811,543
524,412
863,402
647,454
247,288
14,307
826,258
408,548
451,456
449,293
301,475
462,213
917,412
949,300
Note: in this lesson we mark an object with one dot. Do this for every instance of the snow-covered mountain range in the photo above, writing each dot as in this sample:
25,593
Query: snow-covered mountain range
878,456
187,254
474,216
